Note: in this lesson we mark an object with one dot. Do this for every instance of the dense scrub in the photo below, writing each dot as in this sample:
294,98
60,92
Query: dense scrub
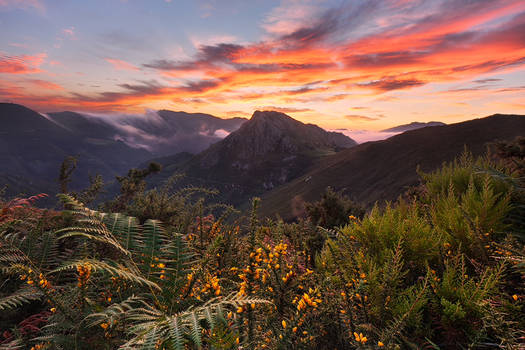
442,268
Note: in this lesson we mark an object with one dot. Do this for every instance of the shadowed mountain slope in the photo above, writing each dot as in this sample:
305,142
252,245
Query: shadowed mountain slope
33,147
382,170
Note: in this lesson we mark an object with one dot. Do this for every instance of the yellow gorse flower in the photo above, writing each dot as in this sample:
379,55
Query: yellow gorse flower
360,338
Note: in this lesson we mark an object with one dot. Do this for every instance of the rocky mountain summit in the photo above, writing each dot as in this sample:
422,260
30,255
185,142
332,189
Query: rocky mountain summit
268,150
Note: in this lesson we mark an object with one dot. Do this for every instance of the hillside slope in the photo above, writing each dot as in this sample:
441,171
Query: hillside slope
382,170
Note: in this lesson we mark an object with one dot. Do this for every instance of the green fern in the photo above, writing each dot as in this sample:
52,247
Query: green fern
151,326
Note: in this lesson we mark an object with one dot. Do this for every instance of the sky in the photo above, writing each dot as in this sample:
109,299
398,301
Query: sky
359,64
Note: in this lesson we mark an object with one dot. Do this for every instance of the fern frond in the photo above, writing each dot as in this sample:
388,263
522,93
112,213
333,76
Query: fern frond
22,296
152,326
114,270
176,331
196,335
98,235
124,228
12,345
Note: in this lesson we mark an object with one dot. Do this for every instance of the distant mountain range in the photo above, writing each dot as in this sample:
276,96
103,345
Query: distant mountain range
270,155
32,148
267,151
33,145
161,132
382,170
412,126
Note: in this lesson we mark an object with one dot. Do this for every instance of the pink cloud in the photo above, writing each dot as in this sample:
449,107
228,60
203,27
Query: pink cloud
121,65
69,33
20,45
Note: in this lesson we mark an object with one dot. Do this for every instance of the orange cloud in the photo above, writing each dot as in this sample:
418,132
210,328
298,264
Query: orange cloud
47,85
285,109
21,64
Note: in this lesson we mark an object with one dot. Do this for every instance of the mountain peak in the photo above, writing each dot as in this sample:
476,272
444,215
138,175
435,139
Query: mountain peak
266,151
268,115
276,132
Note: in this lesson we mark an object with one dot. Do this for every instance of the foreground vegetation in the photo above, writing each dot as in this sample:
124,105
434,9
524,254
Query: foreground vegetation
442,268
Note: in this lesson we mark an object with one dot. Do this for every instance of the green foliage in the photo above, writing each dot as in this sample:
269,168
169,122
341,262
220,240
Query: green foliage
67,168
511,153
442,270
92,192
176,209
132,184
332,210
380,232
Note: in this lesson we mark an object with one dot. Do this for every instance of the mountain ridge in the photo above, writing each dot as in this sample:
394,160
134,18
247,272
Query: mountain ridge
382,170
413,126
269,149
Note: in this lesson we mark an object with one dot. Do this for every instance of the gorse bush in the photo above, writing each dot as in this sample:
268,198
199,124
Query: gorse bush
442,270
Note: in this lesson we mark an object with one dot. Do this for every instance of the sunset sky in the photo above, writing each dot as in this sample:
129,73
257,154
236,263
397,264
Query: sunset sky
361,64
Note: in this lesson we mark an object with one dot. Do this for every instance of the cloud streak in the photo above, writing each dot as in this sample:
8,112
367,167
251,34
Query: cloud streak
25,64
358,117
121,64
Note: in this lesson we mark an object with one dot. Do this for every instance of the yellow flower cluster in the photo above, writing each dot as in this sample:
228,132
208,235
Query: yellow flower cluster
360,338
42,281
306,300
212,284
162,271
288,276
106,325
84,272
435,280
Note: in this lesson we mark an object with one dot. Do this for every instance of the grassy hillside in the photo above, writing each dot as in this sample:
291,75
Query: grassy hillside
383,170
